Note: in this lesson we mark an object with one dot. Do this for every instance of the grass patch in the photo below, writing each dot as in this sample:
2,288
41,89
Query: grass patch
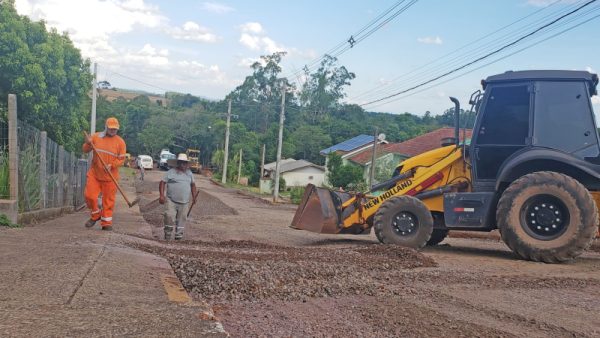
5,222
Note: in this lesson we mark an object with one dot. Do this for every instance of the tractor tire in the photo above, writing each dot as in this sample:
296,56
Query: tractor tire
437,236
547,217
440,232
403,220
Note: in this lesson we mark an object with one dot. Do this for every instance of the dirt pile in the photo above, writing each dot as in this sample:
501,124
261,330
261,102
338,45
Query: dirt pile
246,271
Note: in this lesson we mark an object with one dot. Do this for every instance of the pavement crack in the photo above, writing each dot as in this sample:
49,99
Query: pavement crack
86,275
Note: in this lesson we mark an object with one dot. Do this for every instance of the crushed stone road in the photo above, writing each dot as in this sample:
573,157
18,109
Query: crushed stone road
263,278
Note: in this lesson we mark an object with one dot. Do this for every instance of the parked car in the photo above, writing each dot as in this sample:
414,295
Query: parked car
163,163
145,161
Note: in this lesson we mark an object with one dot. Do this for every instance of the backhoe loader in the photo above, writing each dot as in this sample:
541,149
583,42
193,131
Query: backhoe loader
531,170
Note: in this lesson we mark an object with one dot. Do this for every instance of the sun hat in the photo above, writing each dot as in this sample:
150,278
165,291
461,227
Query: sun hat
180,157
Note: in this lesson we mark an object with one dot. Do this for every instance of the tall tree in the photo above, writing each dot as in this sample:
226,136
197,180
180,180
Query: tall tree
47,73
324,88
259,97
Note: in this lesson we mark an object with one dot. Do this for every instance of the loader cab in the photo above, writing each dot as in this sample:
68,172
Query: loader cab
520,111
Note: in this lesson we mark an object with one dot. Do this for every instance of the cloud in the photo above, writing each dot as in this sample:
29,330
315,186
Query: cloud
215,7
192,31
252,27
247,62
430,40
595,100
91,23
147,56
590,69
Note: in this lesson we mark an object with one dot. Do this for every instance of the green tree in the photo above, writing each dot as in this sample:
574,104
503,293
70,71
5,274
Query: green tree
259,97
324,88
47,73
340,175
309,141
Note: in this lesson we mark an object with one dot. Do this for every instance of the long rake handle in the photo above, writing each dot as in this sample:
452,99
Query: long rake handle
108,171
193,202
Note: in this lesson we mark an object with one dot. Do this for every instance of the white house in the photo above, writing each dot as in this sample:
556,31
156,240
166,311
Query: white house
296,173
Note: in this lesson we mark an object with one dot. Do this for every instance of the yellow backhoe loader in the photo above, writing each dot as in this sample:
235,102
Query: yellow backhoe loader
531,170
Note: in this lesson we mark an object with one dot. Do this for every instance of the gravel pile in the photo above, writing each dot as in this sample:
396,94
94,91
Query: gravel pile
246,271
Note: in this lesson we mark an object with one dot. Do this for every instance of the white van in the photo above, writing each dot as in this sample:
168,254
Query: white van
164,160
145,161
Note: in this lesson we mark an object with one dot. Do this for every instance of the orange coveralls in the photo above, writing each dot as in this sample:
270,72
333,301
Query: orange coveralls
112,150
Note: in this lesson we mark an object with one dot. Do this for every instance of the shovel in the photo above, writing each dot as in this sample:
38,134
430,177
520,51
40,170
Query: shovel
130,204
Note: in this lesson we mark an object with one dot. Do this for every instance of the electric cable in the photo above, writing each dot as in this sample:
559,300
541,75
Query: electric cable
482,57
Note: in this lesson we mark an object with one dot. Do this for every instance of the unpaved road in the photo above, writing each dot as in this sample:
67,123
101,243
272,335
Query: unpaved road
264,279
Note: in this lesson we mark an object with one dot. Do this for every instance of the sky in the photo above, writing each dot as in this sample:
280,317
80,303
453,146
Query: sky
206,48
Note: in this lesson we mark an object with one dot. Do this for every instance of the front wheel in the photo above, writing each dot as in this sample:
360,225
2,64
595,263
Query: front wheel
547,216
403,220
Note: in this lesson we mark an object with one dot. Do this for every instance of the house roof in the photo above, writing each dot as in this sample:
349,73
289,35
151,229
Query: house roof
412,147
292,165
271,166
349,145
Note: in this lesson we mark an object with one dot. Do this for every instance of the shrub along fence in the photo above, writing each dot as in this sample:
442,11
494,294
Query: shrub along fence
43,179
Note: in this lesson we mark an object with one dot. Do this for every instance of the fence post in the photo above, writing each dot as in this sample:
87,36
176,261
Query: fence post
71,181
43,168
11,207
61,180
13,147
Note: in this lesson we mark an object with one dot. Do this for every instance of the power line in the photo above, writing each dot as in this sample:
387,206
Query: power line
359,36
472,45
565,22
139,81
492,62
482,57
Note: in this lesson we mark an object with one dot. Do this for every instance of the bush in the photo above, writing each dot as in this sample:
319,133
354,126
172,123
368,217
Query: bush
296,194
282,184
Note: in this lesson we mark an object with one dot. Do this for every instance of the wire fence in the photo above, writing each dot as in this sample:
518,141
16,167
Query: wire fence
49,176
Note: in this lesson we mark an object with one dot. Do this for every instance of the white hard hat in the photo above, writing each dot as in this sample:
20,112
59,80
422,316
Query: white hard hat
182,157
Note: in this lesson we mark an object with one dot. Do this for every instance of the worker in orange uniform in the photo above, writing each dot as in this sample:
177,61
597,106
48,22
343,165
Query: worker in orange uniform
111,148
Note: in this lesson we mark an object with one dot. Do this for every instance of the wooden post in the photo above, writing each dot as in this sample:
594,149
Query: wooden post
240,167
262,161
13,148
61,180
43,168
279,144
373,160
225,160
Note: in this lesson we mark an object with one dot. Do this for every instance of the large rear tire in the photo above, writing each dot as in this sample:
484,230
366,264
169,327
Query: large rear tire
403,220
547,217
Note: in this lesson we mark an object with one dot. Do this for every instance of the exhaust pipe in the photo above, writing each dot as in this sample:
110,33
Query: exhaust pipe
456,120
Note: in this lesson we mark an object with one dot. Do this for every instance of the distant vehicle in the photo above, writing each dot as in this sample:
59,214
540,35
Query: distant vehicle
163,162
194,156
145,161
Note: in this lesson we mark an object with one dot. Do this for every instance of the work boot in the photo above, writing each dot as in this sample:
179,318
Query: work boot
107,228
178,238
90,223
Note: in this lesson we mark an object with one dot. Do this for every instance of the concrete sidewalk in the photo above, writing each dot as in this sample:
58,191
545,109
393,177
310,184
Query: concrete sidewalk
61,279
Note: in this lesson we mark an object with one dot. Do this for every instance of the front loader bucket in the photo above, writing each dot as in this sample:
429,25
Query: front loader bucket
320,210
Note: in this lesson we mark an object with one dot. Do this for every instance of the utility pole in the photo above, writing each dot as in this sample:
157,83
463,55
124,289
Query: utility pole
94,95
373,159
224,178
262,162
240,167
279,144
